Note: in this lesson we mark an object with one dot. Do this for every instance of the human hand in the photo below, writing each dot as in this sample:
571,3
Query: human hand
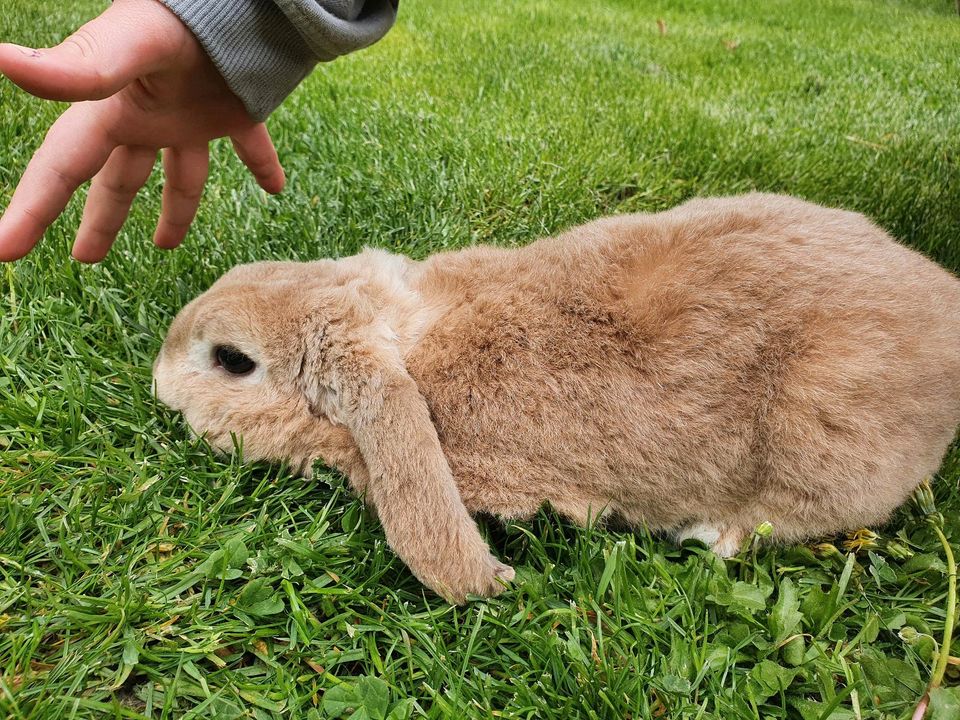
140,82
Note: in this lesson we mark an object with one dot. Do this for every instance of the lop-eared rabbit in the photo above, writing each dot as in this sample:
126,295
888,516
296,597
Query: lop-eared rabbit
698,371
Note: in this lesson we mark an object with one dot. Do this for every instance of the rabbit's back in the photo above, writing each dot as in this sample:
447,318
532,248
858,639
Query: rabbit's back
731,360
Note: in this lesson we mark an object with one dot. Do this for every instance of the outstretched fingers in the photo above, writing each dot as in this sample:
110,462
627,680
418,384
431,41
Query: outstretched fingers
186,172
109,200
255,148
74,150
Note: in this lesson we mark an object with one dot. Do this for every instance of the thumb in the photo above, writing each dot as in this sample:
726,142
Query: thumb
130,39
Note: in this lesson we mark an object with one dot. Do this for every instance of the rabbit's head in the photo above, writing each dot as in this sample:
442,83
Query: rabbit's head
271,358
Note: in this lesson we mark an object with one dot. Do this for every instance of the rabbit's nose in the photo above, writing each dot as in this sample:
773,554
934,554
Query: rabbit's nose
157,388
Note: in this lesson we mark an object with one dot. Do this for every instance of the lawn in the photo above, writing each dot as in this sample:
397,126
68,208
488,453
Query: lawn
142,576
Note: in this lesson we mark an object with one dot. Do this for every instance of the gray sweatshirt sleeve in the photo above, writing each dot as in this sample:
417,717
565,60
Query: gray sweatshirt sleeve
265,48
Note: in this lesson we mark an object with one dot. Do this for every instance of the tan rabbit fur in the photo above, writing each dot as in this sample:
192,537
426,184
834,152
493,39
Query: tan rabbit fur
699,371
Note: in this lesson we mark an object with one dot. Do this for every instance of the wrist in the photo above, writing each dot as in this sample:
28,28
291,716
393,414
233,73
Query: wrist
253,46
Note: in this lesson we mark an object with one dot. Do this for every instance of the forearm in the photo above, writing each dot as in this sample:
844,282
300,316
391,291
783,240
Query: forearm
265,48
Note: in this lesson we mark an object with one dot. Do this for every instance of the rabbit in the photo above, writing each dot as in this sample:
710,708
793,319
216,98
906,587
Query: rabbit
697,371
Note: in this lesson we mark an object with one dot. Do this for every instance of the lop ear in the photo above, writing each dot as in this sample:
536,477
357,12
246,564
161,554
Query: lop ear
363,385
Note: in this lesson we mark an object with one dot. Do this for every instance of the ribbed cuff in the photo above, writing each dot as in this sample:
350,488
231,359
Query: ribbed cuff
336,27
260,54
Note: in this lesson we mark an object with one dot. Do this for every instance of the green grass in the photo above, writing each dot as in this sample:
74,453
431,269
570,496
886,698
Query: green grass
141,576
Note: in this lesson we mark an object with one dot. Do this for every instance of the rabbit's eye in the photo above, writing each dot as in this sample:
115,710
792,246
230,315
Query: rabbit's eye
233,361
